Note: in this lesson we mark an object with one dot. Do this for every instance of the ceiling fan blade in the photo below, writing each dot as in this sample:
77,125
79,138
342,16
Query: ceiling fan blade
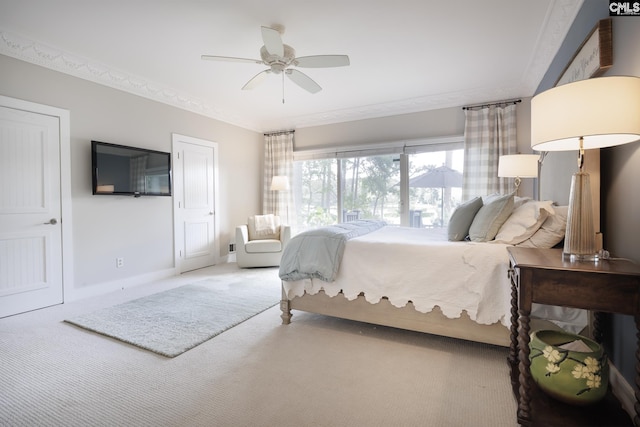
322,61
256,80
272,41
304,81
229,58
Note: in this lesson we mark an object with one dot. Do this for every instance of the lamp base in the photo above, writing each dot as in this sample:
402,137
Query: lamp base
580,236
580,257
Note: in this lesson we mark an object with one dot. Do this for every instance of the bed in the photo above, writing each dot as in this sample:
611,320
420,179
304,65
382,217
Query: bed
417,279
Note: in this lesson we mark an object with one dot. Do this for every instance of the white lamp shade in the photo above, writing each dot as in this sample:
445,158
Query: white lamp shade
280,183
605,111
518,166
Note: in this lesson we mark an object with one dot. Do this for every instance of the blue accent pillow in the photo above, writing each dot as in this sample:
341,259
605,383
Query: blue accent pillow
462,218
493,213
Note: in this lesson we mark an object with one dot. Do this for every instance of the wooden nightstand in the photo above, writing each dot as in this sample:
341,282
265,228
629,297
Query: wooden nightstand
541,276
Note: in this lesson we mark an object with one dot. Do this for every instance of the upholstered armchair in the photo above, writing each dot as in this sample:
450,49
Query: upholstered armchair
261,241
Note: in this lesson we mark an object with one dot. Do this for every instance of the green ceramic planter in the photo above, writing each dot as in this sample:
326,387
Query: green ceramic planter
574,377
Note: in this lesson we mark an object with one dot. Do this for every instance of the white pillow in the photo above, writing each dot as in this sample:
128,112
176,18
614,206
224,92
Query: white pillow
257,233
490,217
551,232
519,201
524,222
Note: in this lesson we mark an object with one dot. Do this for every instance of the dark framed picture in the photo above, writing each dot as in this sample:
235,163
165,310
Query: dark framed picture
593,57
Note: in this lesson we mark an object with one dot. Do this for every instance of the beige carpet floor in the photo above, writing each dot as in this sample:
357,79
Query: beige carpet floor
317,371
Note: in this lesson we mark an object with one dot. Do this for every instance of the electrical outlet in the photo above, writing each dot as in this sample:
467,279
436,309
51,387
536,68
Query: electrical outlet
232,247
119,262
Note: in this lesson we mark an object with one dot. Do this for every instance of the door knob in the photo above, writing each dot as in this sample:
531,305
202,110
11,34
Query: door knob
52,221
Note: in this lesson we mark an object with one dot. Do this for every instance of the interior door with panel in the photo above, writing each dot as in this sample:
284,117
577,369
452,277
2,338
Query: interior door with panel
30,211
194,202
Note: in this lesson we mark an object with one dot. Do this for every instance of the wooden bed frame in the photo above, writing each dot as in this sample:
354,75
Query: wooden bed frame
434,322
384,313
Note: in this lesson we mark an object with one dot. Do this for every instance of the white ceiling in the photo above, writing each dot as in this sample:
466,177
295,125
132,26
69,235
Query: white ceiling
406,55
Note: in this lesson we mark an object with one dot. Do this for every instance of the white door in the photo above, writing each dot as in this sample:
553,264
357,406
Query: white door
194,202
30,211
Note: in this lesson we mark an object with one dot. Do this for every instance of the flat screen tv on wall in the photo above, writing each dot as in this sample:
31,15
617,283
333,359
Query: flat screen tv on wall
121,170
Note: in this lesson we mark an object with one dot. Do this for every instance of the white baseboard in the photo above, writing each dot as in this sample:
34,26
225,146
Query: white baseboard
117,285
622,390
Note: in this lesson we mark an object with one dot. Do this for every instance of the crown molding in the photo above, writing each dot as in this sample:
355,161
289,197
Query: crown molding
408,106
560,16
25,49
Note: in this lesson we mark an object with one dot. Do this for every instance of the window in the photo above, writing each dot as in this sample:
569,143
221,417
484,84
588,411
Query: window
368,183
371,188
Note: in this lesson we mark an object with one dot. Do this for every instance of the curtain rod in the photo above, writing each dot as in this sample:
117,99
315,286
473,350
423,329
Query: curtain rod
279,132
515,101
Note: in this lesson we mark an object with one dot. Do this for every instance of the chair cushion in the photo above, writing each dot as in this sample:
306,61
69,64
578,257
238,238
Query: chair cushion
263,227
261,246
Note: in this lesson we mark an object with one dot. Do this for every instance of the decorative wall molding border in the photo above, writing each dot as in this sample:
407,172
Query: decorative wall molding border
561,15
28,50
407,106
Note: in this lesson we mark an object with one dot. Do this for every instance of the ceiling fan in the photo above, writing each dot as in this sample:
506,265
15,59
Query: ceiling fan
279,57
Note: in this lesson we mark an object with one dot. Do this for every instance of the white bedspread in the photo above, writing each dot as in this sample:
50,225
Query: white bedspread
422,266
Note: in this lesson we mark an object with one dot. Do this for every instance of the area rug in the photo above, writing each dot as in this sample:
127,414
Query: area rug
174,321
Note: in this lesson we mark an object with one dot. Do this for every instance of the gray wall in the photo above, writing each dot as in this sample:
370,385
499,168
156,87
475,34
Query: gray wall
620,167
138,229
620,196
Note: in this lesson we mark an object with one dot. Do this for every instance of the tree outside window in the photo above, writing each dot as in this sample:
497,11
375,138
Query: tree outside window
370,188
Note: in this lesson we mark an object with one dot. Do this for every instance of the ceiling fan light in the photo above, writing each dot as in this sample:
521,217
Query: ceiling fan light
279,56
277,68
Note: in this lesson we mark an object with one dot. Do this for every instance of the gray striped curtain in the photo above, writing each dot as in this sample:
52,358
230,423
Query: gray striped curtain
489,133
278,160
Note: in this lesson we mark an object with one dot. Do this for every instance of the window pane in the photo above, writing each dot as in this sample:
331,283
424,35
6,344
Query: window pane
315,193
435,181
370,188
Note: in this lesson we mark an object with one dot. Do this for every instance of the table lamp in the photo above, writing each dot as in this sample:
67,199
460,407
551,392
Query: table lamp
593,113
518,166
280,183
